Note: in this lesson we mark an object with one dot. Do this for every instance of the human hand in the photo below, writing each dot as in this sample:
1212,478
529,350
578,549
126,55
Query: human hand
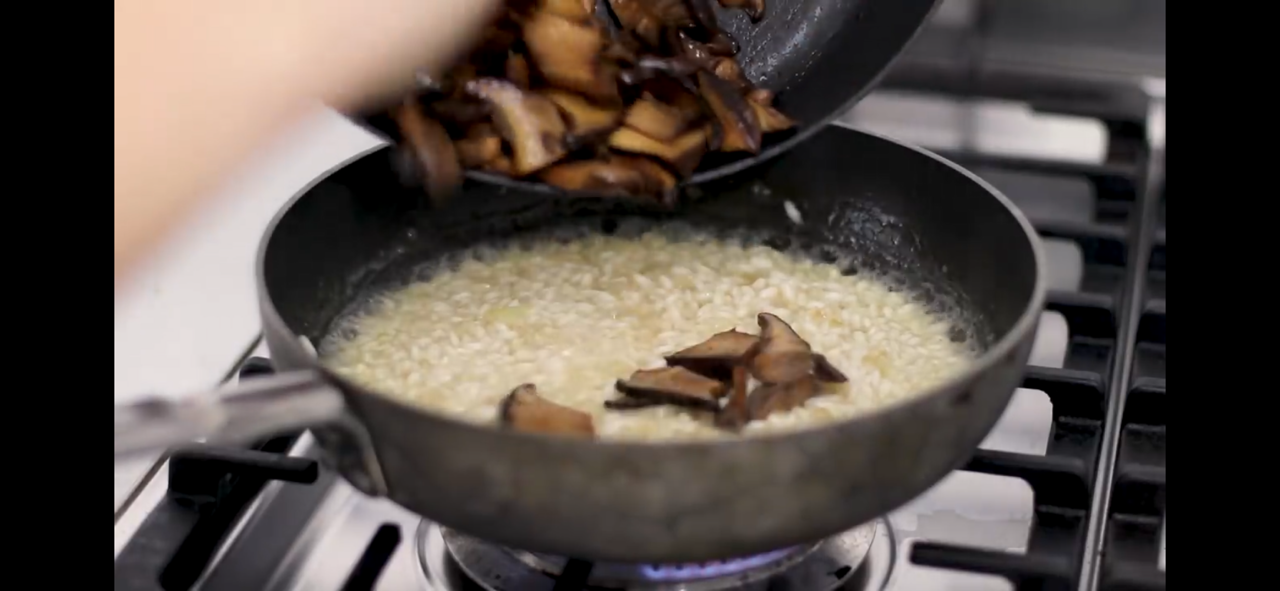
199,83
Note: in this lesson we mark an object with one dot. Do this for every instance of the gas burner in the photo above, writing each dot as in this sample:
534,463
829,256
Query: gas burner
857,560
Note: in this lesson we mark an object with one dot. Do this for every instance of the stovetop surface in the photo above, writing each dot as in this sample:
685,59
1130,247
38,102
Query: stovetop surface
1025,513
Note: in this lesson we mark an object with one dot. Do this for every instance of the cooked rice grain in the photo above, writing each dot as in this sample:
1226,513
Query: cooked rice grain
574,317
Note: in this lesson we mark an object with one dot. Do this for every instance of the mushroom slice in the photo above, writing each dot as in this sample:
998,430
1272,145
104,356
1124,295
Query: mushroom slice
717,356
526,411
518,70
579,10
753,8
738,123
720,42
662,182
569,55
762,96
647,19
613,177
459,115
432,149
770,119
676,386
656,68
585,119
727,69
478,150
736,411
500,165
683,153
826,372
782,356
767,399
528,121
625,403
656,120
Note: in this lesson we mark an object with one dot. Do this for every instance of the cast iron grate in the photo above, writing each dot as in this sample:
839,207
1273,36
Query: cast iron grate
1127,232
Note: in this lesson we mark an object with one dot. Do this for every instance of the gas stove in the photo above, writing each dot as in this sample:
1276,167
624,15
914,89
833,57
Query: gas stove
1067,492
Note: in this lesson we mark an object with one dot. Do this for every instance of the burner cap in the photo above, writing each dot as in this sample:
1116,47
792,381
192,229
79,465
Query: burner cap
836,563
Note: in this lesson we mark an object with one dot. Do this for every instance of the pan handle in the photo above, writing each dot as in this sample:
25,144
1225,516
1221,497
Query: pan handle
252,409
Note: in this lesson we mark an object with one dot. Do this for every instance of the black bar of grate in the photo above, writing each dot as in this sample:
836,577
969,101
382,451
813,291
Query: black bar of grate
1131,577
574,575
218,515
1103,244
1088,314
1056,481
1025,571
193,463
1117,444
1074,393
374,559
209,489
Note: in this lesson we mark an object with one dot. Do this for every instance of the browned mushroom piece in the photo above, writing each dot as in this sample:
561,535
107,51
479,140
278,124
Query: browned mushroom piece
659,121
478,150
762,96
662,181
723,44
682,154
579,10
529,122
680,94
568,54
676,386
656,68
647,19
753,8
736,411
770,119
613,176
717,356
500,165
826,372
767,399
782,356
459,114
518,70
432,149
718,40
524,410
738,124
585,119
626,403
727,69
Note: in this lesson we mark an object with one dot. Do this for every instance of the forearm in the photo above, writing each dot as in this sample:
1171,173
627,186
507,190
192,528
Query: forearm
198,84
185,113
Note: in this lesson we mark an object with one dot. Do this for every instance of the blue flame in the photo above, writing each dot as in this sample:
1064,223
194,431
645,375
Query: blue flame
708,570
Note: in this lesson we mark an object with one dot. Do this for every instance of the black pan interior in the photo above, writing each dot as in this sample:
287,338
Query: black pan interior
868,204
818,56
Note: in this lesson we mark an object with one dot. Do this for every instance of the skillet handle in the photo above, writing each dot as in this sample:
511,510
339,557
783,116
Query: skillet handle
252,409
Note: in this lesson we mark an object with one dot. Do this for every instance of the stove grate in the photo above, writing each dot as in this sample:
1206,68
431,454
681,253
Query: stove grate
1108,425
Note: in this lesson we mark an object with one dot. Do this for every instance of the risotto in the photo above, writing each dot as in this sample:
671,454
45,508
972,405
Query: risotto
575,317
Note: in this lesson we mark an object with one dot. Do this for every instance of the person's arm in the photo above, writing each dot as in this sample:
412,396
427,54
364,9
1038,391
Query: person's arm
200,83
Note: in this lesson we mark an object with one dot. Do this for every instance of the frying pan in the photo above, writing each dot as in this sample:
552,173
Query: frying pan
819,57
896,210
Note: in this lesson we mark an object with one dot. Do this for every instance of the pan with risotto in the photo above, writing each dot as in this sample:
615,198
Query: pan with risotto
790,354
